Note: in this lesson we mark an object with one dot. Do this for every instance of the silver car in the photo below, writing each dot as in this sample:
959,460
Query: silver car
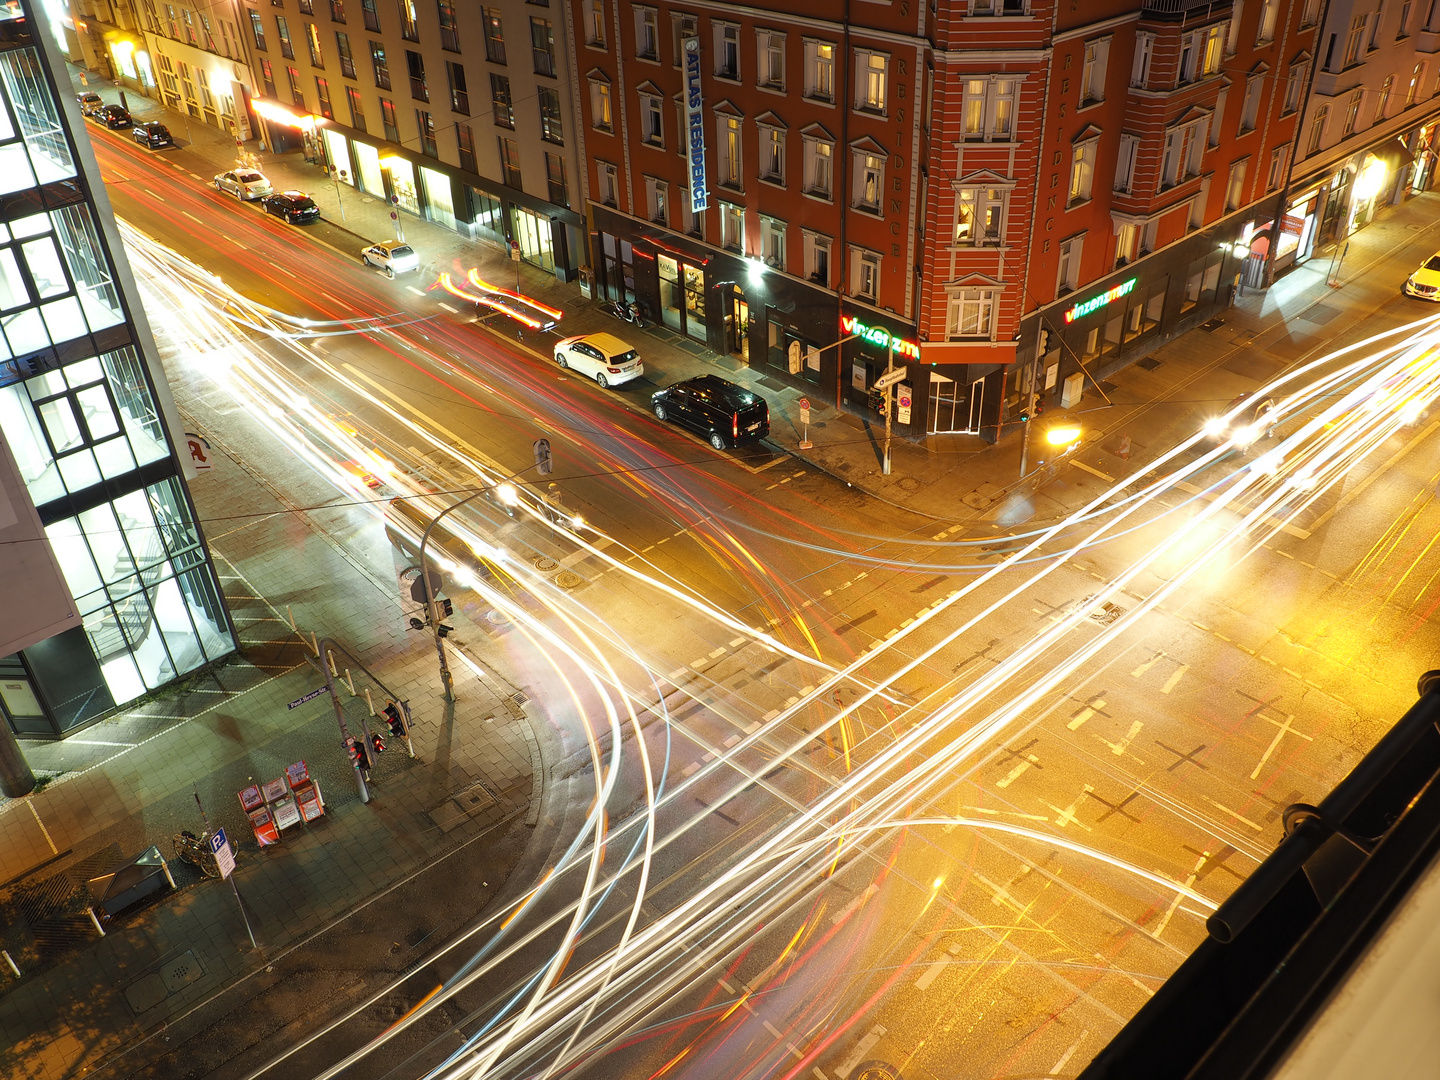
245,184
392,256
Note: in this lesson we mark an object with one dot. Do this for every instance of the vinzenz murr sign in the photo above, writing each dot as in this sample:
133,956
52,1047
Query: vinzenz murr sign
878,335
1095,303
695,127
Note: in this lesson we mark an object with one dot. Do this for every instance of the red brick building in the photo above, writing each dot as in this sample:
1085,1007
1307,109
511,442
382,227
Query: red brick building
950,178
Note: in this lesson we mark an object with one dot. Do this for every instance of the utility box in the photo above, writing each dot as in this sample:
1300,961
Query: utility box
1071,389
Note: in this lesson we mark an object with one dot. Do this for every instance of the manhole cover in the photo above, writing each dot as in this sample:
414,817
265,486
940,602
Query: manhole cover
1211,325
184,969
1149,363
875,1070
568,580
144,994
545,563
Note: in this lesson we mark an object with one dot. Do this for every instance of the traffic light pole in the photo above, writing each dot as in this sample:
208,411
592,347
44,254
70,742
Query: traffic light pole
889,366
325,646
1041,340
446,679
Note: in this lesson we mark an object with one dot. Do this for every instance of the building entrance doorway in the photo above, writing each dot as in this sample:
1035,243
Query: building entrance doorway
952,410
737,326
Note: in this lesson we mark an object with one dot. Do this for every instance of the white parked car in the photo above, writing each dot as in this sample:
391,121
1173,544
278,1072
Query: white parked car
391,256
603,357
244,184
1425,282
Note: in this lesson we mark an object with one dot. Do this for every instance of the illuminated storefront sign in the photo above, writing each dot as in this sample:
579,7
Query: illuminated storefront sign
878,335
695,127
1095,303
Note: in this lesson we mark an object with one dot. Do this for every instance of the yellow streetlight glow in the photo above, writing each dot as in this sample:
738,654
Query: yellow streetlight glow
508,495
1062,436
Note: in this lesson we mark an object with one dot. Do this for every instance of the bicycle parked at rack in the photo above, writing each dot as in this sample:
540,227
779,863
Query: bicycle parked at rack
196,851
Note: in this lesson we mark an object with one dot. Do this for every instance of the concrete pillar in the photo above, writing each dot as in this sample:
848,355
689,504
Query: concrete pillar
16,779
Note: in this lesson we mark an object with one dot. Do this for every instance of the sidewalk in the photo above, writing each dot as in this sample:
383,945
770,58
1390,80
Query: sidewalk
952,478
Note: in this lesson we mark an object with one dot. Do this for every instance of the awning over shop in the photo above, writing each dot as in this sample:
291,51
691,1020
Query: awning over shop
1393,154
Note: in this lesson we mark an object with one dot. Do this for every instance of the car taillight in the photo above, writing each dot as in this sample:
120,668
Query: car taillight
735,425
613,370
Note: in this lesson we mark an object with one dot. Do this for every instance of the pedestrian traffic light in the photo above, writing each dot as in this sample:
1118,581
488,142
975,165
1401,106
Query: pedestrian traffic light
395,720
353,749
447,607
543,464
360,755
378,743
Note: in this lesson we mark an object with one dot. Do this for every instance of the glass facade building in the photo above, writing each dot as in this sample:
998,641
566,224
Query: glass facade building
80,412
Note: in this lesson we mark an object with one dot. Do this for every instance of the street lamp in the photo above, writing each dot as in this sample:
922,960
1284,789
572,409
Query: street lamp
1063,437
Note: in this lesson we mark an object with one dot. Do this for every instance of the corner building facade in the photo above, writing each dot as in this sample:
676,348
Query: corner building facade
799,255
113,593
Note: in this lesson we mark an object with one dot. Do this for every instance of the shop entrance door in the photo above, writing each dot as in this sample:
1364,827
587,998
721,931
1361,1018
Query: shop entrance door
944,406
19,705
977,399
694,280
737,326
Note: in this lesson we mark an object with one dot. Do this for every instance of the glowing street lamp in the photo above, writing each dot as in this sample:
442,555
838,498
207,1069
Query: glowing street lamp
1063,436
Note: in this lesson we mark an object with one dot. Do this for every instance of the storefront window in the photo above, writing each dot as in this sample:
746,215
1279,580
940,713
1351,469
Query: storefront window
439,200
367,163
532,233
671,294
489,218
337,151
695,302
402,183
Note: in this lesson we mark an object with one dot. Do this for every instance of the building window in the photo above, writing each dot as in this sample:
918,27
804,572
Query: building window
1352,113
459,94
510,162
380,64
266,75
1403,29
772,155
1276,176
555,180
865,275
607,186
771,59
494,35
415,65
1317,128
312,39
1383,101
1235,185
387,118
426,123
1144,52
869,181
728,151
1127,242
595,23
322,90
1199,54
297,95
1125,162
1067,275
257,28
465,142
772,242
988,109
820,71
501,105
727,50
409,28
1311,13
1416,78
732,227
337,11
1295,86
1082,170
1092,74
550,126
871,80
1269,16
817,257
652,120
647,34
357,108
1250,109
282,31
1181,158
449,27
819,167
600,117
542,46
682,27
1355,40
656,207
342,49
980,216
971,314
372,17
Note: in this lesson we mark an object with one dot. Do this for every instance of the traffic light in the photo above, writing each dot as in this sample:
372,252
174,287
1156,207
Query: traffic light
1042,341
378,743
395,720
447,607
543,464
353,749
360,755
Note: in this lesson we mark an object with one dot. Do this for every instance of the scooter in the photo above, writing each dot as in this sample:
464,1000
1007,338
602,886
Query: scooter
624,311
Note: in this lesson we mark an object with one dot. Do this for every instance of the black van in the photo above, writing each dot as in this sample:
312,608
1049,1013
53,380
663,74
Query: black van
726,414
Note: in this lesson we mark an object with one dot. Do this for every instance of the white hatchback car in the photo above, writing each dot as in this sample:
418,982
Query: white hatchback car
392,256
604,357
245,184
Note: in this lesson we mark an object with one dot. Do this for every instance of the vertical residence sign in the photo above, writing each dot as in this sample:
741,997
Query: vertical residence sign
695,127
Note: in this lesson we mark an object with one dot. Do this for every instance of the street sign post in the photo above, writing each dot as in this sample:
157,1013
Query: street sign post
311,696
889,379
224,857
805,443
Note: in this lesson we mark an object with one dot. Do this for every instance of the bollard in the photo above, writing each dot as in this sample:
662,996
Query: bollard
369,703
350,682
166,867
314,645
291,616
10,962
96,921
330,659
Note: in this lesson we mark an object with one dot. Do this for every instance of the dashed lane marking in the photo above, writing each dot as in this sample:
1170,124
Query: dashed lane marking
1085,714
1174,679
417,292
447,307
1018,771
1237,816
1284,729
1067,816
850,908
1124,744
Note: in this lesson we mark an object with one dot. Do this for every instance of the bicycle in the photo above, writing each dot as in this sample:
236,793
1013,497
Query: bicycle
196,851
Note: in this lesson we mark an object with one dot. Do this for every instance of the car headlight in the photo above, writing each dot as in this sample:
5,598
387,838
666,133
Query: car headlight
1215,427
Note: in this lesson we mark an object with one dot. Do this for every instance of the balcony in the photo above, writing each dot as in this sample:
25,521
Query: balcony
1177,10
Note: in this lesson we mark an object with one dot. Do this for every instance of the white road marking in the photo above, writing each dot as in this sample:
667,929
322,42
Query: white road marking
1000,895
417,292
1065,1057
1273,522
929,975
848,909
1285,729
1067,816
1148,664
447,307
1085,714
1124,744
862,1048
1237,817
1189,881
192,217
1093,472
1015,773
1174,679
